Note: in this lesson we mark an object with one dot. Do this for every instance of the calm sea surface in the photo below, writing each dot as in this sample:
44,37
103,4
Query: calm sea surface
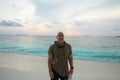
90,48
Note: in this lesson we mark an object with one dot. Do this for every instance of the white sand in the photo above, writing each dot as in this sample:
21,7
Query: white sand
23,67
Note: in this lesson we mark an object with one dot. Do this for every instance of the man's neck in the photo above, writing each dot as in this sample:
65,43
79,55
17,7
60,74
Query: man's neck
61,43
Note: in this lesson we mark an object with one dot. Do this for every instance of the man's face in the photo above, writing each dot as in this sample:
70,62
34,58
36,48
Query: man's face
60,36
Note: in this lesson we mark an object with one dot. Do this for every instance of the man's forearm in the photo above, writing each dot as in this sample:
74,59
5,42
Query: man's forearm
71,61
49,65
49,62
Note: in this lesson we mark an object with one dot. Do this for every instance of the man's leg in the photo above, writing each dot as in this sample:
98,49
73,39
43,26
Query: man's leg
64,78
56,76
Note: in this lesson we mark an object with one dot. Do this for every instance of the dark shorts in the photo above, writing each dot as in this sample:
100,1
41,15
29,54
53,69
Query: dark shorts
57,76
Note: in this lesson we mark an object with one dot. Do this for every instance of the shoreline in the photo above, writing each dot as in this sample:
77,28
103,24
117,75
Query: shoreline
47,56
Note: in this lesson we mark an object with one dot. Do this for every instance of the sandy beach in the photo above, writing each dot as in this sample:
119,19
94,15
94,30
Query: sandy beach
24,67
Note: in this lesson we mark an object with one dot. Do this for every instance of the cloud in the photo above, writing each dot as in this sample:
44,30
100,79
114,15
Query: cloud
116,29
100,27
48,9
10,23
11,9
53,24
89,9
74,17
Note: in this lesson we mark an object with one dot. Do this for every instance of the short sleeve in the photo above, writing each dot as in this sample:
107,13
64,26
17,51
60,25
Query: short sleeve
50,51
70,50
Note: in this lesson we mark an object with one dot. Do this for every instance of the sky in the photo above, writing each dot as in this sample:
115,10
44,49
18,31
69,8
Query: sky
72,17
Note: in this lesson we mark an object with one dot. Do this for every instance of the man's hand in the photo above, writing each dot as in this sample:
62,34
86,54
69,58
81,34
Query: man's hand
71,71
51,74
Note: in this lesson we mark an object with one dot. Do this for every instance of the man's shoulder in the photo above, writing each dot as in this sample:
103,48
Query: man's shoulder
52,45
68,44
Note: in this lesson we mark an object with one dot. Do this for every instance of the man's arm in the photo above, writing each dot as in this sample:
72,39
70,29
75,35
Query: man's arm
71,63
49,62
49,65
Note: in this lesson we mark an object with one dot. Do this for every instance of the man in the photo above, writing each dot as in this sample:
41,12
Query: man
59,55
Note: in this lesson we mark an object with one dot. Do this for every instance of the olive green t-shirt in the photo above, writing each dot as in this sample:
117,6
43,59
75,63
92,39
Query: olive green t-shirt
60,58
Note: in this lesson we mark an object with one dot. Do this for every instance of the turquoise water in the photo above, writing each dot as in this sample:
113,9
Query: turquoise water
90,48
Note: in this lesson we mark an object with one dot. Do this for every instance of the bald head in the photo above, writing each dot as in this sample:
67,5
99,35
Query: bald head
60,33
60,36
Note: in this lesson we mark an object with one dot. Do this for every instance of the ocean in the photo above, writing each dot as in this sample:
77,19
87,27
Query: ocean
105,49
